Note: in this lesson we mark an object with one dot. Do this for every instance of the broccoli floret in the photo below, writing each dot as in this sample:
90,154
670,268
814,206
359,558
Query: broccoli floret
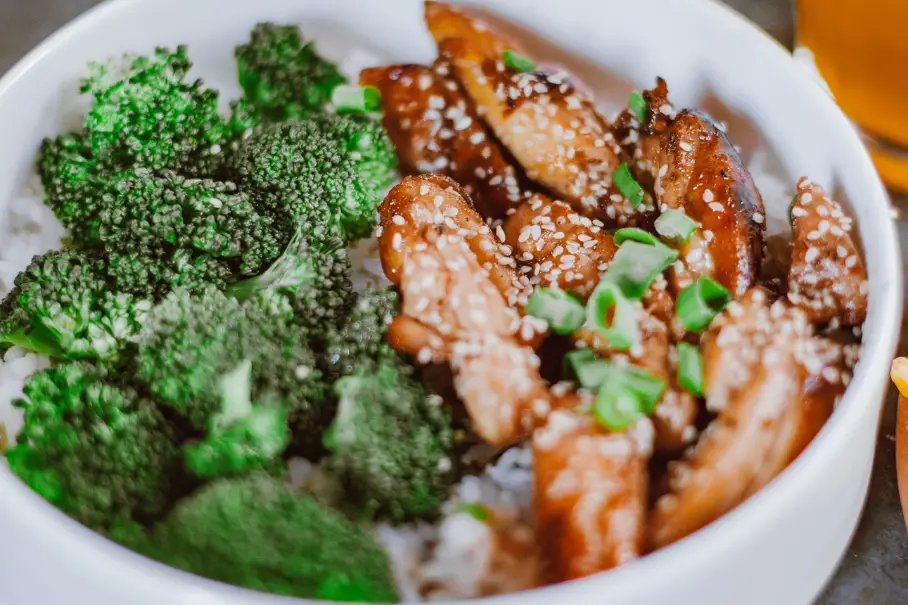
191,344
240,436
74,183
342,163
360,341
257,532
312,277
193,220
283,77
149,115
98,451
62,306
391,444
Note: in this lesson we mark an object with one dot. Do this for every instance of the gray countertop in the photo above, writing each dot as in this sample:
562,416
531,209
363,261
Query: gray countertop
875,569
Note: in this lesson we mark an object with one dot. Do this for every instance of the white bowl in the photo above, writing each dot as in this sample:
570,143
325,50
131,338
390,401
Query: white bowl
777,548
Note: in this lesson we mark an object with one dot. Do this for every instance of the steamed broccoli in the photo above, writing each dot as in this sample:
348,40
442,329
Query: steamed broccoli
204,225
96,450
74,183
391,444
340,162
240,436
190,352
62,306
149,115
283,77
311,277
359,343
259,533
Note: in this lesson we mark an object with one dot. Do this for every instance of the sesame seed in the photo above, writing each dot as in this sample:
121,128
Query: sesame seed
398,219
685,146
708,196
758,218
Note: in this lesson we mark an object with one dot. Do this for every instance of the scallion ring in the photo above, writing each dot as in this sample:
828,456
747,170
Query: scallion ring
613,315
699,303
517,62
358,99
690,368
628,185
637,104
560,309
675,226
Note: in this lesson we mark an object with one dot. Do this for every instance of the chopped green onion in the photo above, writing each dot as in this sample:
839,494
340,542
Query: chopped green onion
633,233
561,310
586,368
700,302
636,265
675,226
616,408
517,62
608,300
690,368
478,511
646,387
628,185
637,104
356,99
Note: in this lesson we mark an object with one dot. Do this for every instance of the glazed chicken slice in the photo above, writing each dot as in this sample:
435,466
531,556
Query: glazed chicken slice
564,248
692,166
675,415
434,128
826,378
559,246
590,491
451,304
437,201
547,124
754,364
827,277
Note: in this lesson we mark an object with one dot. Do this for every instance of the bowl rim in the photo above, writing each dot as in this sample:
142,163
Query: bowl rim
703,544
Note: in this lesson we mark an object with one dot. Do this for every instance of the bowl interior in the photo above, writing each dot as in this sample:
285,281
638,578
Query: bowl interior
784,124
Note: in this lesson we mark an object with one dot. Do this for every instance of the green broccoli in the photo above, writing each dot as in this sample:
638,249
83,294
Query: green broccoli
342,163
96,450
191,345
74,184
391,444
240,436
283,77
194,223
62,306
360,341
149,115
312,277
257,532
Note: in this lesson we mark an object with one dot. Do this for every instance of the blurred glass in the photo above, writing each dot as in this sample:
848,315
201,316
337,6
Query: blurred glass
860,48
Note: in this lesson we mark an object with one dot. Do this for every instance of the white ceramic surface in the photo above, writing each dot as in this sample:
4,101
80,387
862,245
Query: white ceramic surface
776,549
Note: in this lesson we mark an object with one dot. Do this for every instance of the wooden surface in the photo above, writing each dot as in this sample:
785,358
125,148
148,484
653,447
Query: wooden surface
875,569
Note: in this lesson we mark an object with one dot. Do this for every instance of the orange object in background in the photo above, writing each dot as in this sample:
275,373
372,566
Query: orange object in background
861,49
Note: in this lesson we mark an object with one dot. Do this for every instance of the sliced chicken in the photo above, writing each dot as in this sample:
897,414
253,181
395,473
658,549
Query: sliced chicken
481,558
450,300
434,128
675,415
548,125
590,494
692,166
754,356
826,378
558,246
437,201
827,277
